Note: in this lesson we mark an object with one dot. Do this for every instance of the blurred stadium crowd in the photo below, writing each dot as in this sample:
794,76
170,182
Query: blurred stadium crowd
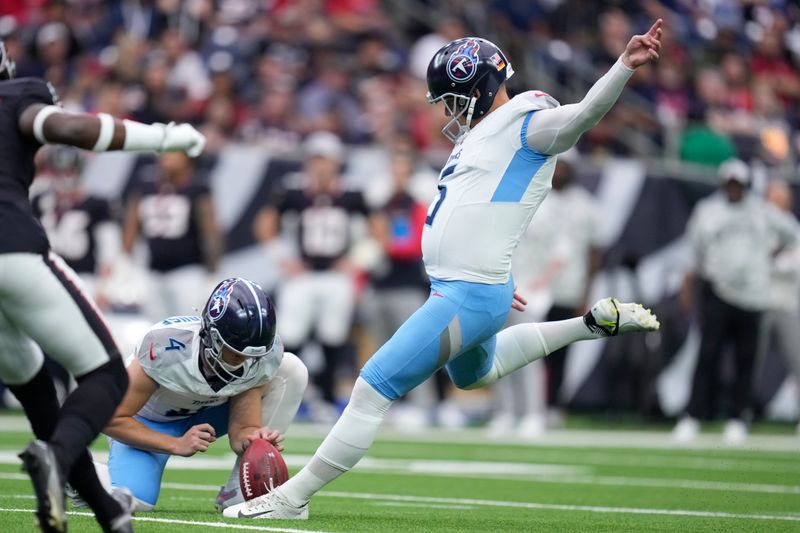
328,96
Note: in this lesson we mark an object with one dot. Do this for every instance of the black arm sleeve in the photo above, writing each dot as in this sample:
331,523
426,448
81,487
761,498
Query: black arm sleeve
34,91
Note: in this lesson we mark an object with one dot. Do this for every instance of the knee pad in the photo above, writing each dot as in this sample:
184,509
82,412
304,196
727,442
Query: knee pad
295,372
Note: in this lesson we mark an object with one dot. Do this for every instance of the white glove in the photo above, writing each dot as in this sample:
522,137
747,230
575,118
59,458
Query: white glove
182,138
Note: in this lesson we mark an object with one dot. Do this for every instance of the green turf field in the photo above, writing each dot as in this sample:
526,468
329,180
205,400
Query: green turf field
572,480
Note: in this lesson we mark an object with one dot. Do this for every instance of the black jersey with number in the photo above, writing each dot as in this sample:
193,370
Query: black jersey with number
169,220
71,226
324,229
19,229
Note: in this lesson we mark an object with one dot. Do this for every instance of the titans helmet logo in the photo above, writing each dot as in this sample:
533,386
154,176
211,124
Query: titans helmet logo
219,300
463,64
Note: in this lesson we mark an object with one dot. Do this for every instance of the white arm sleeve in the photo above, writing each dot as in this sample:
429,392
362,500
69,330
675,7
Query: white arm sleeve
553,131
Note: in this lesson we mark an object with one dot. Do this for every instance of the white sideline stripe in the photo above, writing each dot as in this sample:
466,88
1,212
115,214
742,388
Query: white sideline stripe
557,507
424,505
617,481
222,525
420,466
792,517
562,474
562,438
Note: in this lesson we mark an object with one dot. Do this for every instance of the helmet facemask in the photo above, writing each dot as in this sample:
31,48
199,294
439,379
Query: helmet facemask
457,106
254,358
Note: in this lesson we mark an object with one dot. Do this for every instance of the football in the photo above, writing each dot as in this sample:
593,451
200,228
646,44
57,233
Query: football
262,469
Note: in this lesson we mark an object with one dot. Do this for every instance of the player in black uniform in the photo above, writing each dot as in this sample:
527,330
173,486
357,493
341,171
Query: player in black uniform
81,228
40,301
319,293
174,214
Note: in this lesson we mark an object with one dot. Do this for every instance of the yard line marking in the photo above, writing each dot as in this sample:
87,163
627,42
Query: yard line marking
472,502
557,507
565,478
562,438
222,525
11,475
615,481
442,466
424,505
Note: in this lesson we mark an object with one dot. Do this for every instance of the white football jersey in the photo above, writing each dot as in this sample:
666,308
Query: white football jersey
489,190
170,354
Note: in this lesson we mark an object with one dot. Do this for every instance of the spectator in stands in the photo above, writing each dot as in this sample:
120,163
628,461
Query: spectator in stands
187,72
557,259
274,126
732,235
174,214
326,102
448,28
781,320
160,102
319,294
399,282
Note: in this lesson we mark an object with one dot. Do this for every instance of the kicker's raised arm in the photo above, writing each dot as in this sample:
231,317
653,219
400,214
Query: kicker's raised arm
553,131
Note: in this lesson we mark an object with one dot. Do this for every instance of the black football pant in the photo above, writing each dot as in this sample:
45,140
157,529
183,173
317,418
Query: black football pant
723,325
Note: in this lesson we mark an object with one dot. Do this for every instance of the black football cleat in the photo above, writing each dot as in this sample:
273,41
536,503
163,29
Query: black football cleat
122,523
40,464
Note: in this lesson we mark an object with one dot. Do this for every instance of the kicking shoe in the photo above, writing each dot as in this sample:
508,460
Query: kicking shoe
610,317
40,464
271,506
227,498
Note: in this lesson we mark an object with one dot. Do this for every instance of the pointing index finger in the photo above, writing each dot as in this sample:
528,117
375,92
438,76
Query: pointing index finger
655,27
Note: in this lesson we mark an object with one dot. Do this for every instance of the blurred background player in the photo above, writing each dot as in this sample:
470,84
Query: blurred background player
82,228
43,303
733,235
317,298
194,379
173,212
782,318
555,262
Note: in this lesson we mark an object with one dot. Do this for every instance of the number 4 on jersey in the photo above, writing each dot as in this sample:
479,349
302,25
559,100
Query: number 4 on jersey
175,344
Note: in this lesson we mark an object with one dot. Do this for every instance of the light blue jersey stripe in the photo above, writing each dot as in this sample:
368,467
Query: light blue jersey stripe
521,170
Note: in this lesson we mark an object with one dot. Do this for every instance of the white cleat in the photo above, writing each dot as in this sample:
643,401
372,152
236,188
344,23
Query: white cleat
686,430
271,506
610,317
735,432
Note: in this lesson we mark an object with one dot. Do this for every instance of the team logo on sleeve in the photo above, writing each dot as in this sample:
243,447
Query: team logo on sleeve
463,64
219,300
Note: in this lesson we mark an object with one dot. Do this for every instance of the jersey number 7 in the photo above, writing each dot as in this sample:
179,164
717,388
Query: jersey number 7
436,205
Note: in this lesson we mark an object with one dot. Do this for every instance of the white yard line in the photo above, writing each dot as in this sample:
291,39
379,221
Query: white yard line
616,481
221,525
559,474
557,507
423,505
470,502
562,438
